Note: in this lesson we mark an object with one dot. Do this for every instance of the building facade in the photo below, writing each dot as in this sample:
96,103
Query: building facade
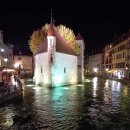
24,63
81,45
121,59
6,53
107,59
94,64
6,60
55,63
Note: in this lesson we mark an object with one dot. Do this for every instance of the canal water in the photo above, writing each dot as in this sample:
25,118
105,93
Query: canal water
98,104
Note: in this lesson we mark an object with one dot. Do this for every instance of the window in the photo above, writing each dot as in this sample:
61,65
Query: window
51,45
64,70
19,58
41,69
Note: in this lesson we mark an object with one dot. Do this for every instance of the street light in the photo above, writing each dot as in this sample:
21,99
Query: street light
6,60
107,69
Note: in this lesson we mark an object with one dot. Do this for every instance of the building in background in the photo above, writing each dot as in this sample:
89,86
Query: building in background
24,63
6,60
6,53
121,58
107,59
94,64
81,45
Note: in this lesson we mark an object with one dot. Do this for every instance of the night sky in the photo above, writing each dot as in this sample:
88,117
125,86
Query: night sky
98,22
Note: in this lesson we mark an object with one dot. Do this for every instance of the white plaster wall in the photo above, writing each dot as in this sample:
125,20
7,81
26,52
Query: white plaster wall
42,62
61,61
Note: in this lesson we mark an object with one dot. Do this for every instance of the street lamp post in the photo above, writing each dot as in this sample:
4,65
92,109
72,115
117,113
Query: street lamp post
6,60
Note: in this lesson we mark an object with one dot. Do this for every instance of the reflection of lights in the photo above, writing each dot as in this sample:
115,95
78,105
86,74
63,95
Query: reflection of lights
65,88
7,120
29,85
95,70
116,86
125,91
29,79
87,80
80,85
37,89
57,93
126,68
119,75
107,83
95,79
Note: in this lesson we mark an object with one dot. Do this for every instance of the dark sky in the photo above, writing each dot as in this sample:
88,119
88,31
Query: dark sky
98,22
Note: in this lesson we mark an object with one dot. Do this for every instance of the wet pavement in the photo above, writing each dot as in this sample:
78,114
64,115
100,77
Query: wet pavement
98,104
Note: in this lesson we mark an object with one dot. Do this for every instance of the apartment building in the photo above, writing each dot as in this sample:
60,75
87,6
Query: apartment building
121,59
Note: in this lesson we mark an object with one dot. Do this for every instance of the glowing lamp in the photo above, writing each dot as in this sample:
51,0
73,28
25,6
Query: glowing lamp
5,59
16,65
2,50
95,70
107,69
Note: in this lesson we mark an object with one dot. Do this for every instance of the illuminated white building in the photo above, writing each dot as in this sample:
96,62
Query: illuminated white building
55,63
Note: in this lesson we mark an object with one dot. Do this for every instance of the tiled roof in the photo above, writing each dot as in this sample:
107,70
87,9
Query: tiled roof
61,45
79,37
51,30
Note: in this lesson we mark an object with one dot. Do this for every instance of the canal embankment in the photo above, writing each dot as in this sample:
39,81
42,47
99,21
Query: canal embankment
125,81
10,92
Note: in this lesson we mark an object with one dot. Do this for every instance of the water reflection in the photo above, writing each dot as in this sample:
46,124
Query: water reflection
98,104
6,117
95,85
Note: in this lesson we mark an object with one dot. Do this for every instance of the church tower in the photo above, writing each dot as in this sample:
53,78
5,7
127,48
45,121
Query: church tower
51,43
80,43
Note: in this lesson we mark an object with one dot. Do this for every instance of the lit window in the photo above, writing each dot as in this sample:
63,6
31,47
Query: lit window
41,69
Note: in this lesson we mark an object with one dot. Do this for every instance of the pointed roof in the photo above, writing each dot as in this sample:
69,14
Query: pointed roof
51,30
79,37
61,45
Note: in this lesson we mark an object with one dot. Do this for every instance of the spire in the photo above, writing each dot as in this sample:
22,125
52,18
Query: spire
51,17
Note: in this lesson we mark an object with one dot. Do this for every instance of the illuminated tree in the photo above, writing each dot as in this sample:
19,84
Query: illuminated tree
69,37
38,37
